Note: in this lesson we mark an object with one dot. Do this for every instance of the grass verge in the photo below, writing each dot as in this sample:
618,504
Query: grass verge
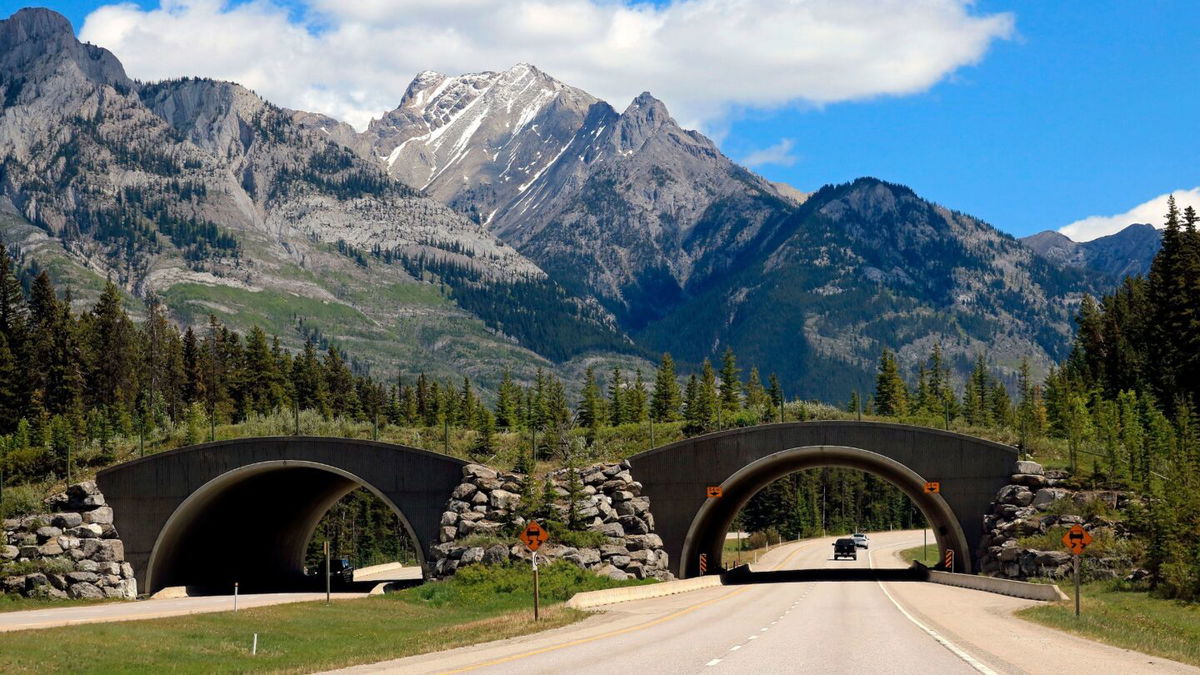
1131,619
15,603
926,555
480,604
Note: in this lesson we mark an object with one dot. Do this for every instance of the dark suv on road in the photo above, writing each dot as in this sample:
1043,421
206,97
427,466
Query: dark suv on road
845,548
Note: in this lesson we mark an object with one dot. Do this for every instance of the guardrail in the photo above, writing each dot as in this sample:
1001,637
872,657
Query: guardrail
590,599
1016,589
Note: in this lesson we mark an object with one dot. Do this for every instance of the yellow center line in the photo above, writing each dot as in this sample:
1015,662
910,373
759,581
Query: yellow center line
615,633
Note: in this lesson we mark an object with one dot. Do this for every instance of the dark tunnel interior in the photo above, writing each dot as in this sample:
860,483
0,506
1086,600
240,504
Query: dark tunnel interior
251,528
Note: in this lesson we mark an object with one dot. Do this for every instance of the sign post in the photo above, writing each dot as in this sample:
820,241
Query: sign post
327,577
1076,540
533,536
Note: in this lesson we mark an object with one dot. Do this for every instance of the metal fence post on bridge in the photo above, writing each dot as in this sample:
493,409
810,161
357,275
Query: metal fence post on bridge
328,579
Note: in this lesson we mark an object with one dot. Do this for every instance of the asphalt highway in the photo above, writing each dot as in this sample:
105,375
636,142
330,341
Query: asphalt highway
843,626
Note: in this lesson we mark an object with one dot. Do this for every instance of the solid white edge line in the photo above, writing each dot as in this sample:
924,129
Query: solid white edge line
713,662
954,649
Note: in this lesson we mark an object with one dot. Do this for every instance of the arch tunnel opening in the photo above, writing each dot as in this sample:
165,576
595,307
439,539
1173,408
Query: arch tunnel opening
258,526
707,533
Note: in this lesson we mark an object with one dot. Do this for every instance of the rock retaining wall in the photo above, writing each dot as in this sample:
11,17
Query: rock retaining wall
1020,510
72,552
611,503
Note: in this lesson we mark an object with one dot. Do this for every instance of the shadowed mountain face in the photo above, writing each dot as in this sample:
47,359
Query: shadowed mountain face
1118,255
501,220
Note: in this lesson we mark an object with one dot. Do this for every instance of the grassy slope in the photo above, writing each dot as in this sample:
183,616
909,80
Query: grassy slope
478,605
1128,619
927,556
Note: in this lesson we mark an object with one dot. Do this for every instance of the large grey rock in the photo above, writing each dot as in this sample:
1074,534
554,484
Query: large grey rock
610,550
612,573
50,549
1029,468
449,518
472,555
1051,558
479,471
87,566
1047,496
1031,480
634,525
447,533
480,499
82,577
612,529
109,550
494,554
464,491
85,591
46,533
66,520
99,516
8,552
503,499
1017,495
620,560
584,557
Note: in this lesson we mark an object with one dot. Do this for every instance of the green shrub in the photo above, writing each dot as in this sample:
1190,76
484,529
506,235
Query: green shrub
43,565
511,584
22,500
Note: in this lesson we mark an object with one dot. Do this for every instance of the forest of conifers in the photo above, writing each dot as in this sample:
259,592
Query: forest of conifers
1121,409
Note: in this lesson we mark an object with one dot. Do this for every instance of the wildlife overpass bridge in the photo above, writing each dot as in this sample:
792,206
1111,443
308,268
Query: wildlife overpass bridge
244,510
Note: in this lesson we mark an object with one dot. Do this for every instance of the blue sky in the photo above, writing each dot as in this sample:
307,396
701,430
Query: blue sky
1083,109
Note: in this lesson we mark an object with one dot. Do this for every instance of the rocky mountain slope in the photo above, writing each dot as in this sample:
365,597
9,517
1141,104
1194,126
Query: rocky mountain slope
501,219
624,206
1118,255
218,201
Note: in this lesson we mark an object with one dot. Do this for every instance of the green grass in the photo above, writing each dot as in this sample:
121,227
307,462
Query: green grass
479,604
1131,619
17,603
926,555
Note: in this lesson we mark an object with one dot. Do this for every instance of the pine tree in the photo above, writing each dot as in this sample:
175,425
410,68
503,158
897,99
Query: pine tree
343,400
756,395
636,399
891,395
731,384
264,389
707,396
589,412
308,379
485,429
507,403
616,399
666,402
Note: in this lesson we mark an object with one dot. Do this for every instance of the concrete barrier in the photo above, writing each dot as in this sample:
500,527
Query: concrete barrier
1017,589
610,596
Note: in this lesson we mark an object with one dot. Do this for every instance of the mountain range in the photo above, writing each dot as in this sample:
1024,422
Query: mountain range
503,220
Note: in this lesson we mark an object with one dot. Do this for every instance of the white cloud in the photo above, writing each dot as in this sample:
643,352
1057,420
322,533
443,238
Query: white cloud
779,154
704,58
1153,212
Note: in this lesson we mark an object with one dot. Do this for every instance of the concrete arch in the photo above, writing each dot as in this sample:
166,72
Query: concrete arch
971,470
275,538
243,510
707,531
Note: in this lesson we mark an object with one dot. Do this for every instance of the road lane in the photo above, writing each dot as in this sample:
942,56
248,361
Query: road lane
779,627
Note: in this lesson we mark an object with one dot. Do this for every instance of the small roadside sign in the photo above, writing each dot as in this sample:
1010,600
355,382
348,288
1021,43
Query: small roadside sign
1077,539
933,487
714,491
949,559
534,535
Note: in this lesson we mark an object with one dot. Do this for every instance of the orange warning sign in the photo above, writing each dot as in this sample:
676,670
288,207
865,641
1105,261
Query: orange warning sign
933,487
534,535
1077,539
714,491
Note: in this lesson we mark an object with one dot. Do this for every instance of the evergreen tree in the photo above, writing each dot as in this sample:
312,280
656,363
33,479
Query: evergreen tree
891,395
636,399
731,384
616,399
507,402
756,394
666,402
590,413
343,399
485,429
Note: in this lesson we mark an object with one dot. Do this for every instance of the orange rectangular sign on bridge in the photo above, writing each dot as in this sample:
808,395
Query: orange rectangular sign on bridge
933,487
